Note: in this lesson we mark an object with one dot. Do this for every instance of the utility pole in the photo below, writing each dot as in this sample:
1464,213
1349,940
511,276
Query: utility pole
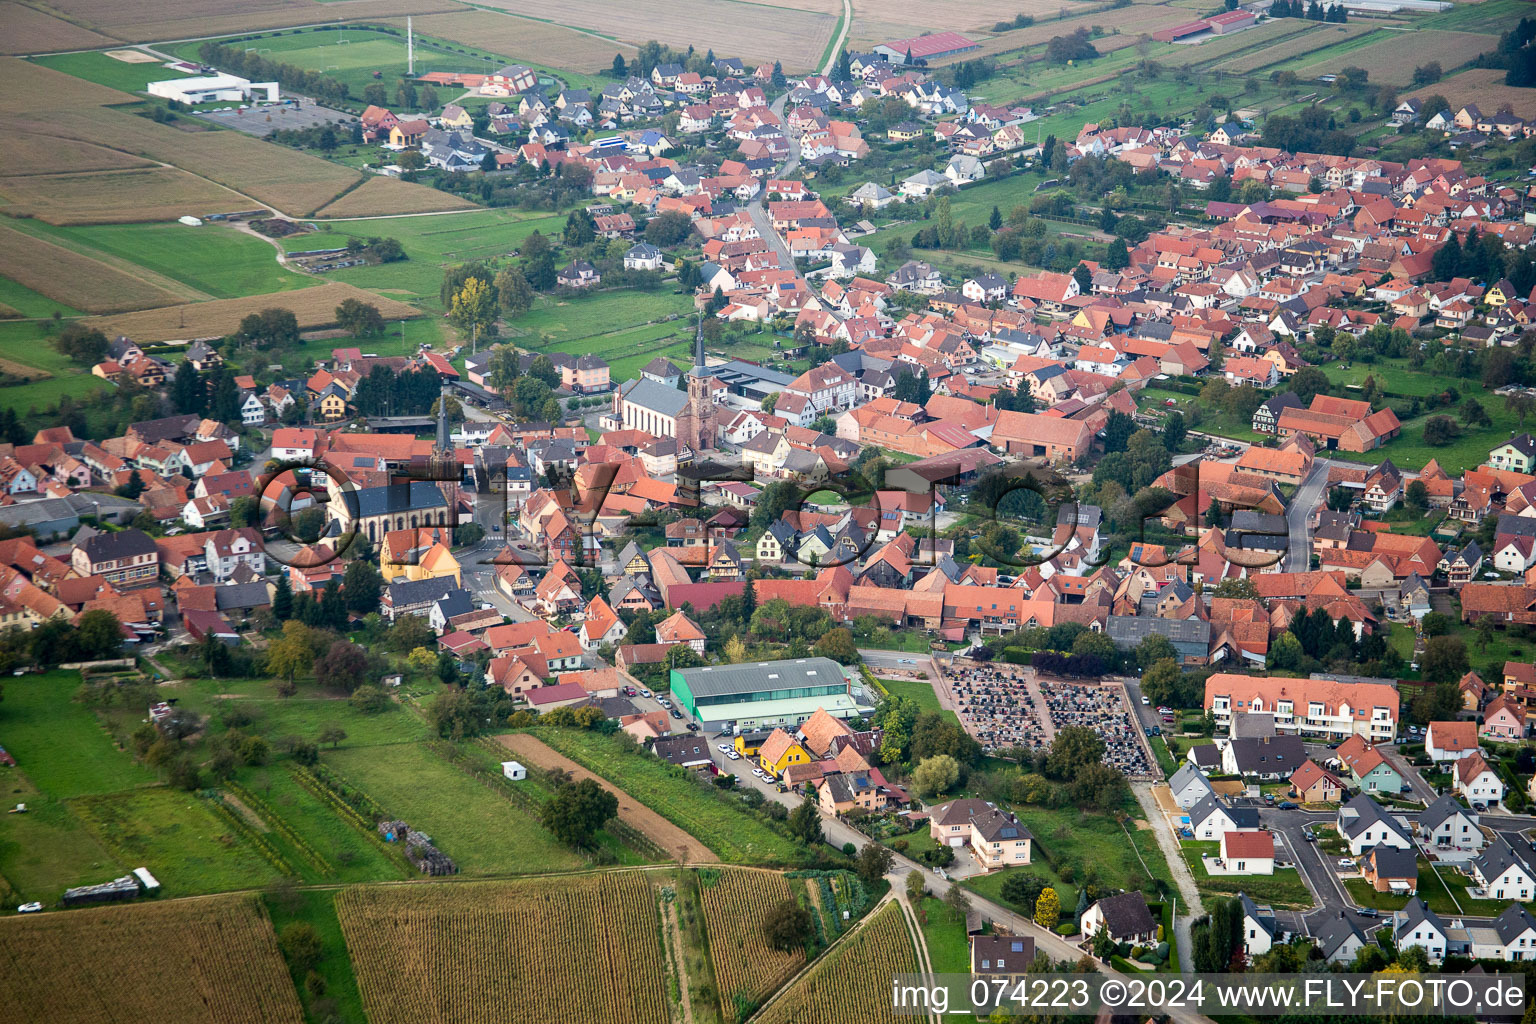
410,48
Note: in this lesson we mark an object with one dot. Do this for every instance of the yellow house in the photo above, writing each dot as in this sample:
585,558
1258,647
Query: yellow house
455,116
332,406
419,555
906,131
779,751
749,743
1500,294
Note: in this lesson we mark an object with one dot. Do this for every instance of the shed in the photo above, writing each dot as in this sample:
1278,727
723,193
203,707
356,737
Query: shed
513,770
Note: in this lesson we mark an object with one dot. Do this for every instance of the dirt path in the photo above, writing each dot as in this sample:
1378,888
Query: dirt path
1188,894
679,957
631,811
1042,711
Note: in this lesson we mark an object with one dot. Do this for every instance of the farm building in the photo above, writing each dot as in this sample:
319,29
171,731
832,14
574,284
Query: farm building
1175,33
220,88
765,694
513,770
929,47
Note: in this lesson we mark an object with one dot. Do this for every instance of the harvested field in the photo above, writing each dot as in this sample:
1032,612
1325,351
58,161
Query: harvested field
28,153
72,278
1295,46
633,813
1133,21
1385,58
12,368
522,39
146,20
1483,86
29,30
580,949
116,197
213,960
133,56
1222,47
41,101
797,38
735,902
315,307
853,981
393,195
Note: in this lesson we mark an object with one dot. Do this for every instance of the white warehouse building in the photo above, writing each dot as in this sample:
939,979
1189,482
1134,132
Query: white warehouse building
212,89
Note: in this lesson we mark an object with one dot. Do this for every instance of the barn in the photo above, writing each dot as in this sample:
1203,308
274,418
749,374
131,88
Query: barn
930,47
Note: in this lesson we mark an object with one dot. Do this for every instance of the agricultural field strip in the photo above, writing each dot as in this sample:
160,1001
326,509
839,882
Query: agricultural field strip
658,829
141,21
81,281
29,30
313,306
185,960
1483,86
733,907
395,195
851,981
407,945
1297,46
1383,58
183,292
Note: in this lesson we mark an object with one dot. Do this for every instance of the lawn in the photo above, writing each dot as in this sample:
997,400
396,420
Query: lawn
318,910
47,850
483,833
1445,893
735,834
1073,846
216,260
59,743
920,691
349,855
27,342
177,835
553,320
96,66
1283,889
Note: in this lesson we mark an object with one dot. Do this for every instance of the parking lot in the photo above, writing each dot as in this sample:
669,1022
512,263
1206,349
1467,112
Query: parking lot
264,119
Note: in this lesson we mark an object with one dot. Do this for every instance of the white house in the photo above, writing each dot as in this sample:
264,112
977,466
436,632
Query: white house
1259,926
1477,783
1450,741
1448,825
963,169
1364,823
922,184
1416,925
643,257
252,412
1247,852
1210,819
1504,872
1511,936
1189,786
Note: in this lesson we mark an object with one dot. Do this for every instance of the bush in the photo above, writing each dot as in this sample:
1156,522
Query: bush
1067,928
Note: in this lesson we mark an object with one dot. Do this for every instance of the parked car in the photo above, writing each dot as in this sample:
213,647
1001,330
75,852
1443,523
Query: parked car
1269,798
1146,700
724,748
1286,805
758,772
693,726
1308,836
1346,862
676,714
646,694
29,908
1368,912
733,756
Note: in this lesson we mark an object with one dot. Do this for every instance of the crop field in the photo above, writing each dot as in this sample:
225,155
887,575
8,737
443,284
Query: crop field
853,981
29,30
1485,16
539,44
31,153
1296,46
797,38
731,832
210,262
578,949
71,278
1383,57
116,197
392,194
734,905
146,20
1132,21
880,21
205,960
659,830
1483,86
1221,47
314,307
43,101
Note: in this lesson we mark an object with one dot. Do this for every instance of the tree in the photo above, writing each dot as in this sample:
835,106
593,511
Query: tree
1439,703
370,700
957,901
344,666
1440,431
362,587
513,291
98,635
255,750
474,308
375,95
1074,748
873,862
917,886
1154,648
359,319
332,734
301,945
1048,908
618,69
1417,495
1022,889
1309,382
936,775
805,823
1445,659
577,811
838,645
787,926
85,345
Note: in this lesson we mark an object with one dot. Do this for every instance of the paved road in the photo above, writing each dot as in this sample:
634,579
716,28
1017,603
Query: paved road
842,37
1298,556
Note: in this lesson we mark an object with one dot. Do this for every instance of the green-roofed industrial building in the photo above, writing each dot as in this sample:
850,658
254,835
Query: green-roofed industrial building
765,694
